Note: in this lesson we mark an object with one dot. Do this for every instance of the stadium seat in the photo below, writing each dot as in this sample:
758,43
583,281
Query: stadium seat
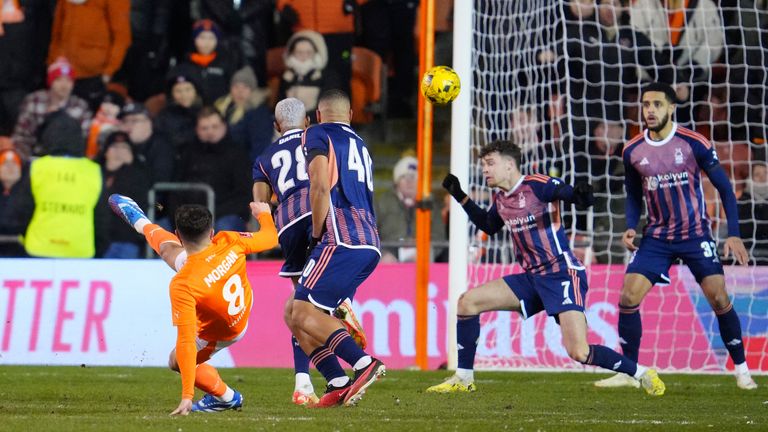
368,85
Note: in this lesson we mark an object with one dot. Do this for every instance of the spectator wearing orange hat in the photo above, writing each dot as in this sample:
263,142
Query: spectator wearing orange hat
211,64
94,35
37,105
15,202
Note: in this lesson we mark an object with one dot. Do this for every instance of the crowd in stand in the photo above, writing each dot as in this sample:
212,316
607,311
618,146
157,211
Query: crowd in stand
713,52
168,91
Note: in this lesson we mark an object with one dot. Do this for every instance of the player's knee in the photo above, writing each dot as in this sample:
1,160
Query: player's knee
578,352
466,306
628,298
719,300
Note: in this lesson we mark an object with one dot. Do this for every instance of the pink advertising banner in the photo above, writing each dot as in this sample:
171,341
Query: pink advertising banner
674,338
112,312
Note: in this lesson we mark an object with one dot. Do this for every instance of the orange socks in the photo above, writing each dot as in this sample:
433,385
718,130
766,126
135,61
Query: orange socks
156,236
208,380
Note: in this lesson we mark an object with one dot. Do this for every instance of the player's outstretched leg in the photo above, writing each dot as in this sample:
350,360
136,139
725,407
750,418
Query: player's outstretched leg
630,333
164,243
574,329
219,396
467,333
129,211
347,316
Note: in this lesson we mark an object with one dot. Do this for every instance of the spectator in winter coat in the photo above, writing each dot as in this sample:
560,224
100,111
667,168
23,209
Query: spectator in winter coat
151,148
305,59
245,30
94,35
103,122
214,159
246,113
37,105
210,63
123,174
15,202
177,120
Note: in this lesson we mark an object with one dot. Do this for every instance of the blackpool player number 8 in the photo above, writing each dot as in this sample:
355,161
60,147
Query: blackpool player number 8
234,293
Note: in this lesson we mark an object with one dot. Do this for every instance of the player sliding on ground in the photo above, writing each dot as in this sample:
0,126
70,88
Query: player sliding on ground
282,168
663,165
211,296
554,280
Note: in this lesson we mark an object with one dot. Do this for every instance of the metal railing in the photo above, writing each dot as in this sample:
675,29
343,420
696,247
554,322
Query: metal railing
210,196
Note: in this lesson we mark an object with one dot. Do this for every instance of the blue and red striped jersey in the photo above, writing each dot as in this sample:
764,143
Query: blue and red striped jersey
531,211
668,175
283,166
351,220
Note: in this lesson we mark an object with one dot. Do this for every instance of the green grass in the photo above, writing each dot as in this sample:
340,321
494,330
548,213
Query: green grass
139,399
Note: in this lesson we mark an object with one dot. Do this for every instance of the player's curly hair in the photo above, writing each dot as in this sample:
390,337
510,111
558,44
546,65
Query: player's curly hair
504,148
193,222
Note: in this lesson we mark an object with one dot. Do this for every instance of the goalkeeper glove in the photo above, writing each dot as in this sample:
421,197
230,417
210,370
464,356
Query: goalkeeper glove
453,186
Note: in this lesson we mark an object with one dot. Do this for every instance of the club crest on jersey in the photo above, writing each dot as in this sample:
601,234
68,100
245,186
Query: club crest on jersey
521,200
678,155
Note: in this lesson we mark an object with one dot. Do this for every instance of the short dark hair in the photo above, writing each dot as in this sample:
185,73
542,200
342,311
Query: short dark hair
504,148
209,111
665,88
333,95
193,222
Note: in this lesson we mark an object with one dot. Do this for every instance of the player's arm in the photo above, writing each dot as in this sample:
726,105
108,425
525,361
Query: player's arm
634,202
488,221
316,151
266,237
707,160
184,318
262,192
549,189
319,193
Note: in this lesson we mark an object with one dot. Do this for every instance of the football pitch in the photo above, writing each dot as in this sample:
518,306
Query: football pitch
139,399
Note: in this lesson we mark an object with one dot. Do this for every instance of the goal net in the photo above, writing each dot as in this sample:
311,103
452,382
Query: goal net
561,80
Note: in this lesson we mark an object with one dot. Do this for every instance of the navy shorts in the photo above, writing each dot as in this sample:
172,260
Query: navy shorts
333,273
554,292
654,257
294,240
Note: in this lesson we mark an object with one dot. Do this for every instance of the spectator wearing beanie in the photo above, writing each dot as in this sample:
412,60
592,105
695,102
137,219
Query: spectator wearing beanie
94,35
123,174
37,105
178,119
246,113
212,64
103,122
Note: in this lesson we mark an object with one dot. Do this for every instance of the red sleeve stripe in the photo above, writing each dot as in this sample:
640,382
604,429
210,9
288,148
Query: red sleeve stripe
695,135
538,178
638,138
